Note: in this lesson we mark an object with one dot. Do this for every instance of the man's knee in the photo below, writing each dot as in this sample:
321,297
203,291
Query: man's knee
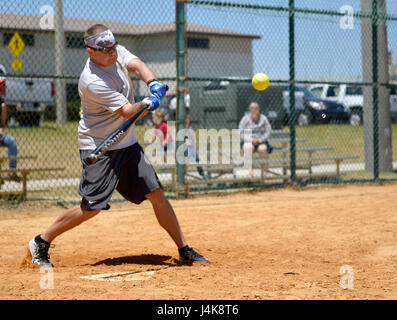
10,141
156,195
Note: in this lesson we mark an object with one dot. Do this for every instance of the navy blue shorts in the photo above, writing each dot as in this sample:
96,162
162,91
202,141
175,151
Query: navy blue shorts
126,170
266,143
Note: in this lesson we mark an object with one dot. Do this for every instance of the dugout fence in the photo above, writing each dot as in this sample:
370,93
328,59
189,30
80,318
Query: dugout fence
332,99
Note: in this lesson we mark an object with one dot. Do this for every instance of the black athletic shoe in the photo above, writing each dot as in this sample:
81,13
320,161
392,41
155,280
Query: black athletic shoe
39,252
187,254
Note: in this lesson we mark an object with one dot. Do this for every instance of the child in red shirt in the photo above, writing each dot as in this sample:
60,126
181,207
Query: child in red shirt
161,129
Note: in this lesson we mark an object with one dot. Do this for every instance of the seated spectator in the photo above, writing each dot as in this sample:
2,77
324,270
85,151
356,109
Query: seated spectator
256,139
8,141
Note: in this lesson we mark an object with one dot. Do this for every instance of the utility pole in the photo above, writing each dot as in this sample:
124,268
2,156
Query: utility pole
180,84
377,119
60,84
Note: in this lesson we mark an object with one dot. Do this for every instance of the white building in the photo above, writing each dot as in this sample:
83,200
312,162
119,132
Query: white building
212,52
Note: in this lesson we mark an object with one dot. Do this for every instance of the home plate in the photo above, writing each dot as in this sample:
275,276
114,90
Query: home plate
125,276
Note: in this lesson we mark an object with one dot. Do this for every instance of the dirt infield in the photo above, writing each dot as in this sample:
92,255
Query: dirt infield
275,244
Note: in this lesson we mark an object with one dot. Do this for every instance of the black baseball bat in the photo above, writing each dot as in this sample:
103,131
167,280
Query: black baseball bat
113,138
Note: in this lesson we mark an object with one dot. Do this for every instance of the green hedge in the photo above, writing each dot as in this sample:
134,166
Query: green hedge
73,111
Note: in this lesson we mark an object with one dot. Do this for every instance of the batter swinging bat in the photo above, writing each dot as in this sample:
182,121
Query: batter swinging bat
113,138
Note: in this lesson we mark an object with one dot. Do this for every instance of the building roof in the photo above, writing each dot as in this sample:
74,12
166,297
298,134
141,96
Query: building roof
11,21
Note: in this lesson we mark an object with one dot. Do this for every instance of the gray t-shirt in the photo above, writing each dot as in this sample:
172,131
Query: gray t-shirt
260,130
103,90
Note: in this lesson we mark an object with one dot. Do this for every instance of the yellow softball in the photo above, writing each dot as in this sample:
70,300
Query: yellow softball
260,81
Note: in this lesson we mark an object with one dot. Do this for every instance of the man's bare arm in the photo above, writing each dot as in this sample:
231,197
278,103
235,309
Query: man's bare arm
128,110
139,69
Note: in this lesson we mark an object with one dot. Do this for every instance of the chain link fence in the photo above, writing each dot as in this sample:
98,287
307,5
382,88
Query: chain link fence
42,54
331,102
322,60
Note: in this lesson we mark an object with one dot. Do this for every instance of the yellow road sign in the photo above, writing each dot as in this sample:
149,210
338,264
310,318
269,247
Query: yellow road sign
16,45
16,65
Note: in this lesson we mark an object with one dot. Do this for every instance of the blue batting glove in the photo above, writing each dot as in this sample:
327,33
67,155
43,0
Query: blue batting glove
157,88
153,102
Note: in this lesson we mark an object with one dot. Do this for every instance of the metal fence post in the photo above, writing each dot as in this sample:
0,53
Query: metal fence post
60,84
292,115
377,114
180,84
375,87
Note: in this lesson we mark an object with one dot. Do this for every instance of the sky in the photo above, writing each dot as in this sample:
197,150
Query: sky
323,49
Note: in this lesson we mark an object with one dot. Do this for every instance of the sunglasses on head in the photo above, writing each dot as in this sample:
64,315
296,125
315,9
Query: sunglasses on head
107,49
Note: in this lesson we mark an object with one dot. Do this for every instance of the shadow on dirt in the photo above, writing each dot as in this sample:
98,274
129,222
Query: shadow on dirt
145,259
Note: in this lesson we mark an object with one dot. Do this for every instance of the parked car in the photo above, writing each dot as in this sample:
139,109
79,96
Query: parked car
27,98
316,109
352,97
302,118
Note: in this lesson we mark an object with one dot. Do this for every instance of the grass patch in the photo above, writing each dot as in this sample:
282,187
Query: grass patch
342,138
53,145
57,146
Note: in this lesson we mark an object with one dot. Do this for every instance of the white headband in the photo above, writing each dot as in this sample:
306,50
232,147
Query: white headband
100,40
